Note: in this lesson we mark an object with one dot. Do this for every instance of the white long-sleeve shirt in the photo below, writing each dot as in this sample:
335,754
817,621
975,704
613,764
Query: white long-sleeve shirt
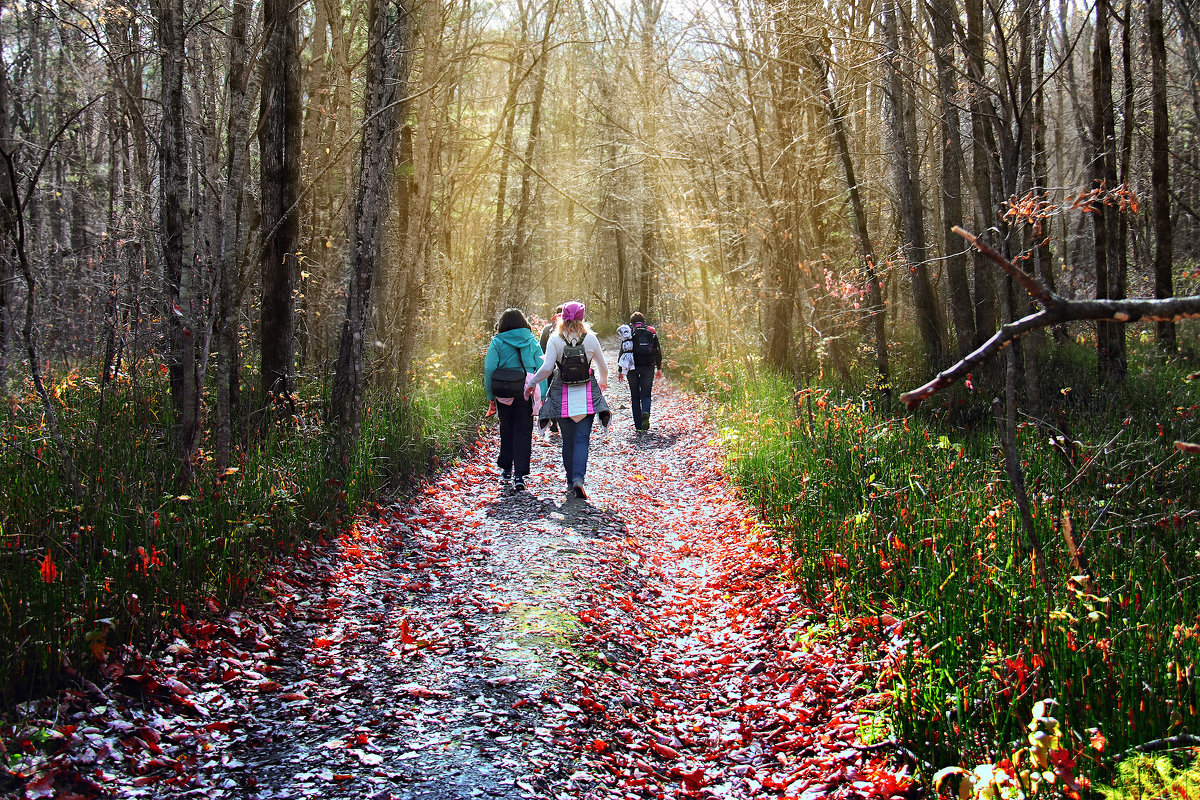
554,350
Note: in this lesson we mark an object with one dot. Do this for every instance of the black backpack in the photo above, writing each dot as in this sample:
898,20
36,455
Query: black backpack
643,347
573,366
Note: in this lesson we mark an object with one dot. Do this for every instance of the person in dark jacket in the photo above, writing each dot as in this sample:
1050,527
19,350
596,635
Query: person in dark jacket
513,347
647,365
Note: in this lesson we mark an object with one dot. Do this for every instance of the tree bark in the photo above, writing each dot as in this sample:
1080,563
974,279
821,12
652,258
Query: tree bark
942,18
518,278
232,238
8,230
279,146
499,251
651,11
389,57
1104,173
1160,173
986,291
866,251
174,221
901,131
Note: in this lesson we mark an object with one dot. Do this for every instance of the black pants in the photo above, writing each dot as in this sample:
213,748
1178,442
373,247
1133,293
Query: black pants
516,436
641,383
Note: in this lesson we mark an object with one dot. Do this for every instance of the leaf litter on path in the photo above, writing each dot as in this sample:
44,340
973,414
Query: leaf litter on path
481,642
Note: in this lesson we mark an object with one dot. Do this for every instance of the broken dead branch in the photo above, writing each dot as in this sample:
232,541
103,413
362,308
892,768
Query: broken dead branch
1055,310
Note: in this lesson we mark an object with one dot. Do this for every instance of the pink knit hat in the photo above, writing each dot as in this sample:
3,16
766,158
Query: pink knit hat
573,311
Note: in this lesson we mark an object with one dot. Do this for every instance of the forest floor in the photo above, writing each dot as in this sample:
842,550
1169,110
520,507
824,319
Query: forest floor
481,642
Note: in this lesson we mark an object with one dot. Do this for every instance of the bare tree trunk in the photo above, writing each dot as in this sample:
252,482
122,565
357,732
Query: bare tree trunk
499,251
986,292
1160,173
943,17
279,146
1104,171
901,131
651,11
1118,279
232,237
8,230
518,279
175,213
866,251
389,57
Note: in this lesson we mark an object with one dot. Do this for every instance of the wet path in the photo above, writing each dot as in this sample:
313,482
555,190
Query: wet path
480,642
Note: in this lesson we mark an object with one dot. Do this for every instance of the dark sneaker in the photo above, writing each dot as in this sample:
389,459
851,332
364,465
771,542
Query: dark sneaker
505,476
519,483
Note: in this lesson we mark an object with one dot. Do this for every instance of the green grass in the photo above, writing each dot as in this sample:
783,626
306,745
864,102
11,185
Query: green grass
132,557
907,514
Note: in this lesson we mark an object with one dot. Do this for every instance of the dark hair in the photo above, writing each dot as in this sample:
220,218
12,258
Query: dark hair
511,319
637,317
557,311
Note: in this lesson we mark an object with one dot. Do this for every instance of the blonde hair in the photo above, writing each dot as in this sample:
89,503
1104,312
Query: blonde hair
576,329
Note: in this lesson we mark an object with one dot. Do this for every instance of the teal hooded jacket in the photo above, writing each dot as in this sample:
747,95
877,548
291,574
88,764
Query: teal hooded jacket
515,349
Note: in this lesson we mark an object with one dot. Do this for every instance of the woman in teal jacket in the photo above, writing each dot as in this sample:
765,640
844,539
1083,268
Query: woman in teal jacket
513,347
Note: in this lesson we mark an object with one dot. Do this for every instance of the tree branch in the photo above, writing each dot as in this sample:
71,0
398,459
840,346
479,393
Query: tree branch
1056,310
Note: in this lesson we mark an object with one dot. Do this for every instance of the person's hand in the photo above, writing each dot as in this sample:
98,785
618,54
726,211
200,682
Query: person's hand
491,412
604,386
620,377
658,373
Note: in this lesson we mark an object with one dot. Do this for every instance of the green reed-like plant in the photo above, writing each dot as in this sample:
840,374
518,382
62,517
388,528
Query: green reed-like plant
135,555
909,515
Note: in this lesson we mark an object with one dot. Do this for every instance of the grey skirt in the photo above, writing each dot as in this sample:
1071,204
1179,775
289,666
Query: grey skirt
556,402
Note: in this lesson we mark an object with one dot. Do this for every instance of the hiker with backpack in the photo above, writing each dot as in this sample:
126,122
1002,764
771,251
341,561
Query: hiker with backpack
576,395
647,365
514,352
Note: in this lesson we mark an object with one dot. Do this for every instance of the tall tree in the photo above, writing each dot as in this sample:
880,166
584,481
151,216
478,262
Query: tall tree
233,234
943,17
1160,152
650,109
902,134
866,250
8,228
1104,174
987,312
518,277
279,142
389,58
175,219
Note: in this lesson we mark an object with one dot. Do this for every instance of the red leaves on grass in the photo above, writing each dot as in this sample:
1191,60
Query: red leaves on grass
48,569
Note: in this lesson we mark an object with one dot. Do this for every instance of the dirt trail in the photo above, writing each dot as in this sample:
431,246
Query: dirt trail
481,642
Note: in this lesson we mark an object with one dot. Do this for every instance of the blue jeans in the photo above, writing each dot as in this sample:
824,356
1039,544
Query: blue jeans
641,382
575,439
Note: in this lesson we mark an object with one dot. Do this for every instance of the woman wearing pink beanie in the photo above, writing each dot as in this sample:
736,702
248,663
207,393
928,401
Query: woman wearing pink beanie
576,393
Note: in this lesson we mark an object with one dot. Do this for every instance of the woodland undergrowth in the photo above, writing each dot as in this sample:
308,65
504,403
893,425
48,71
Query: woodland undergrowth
136,555
908,522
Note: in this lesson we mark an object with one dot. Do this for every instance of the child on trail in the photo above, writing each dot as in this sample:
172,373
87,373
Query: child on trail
625,360
511,356
647,365
576,394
